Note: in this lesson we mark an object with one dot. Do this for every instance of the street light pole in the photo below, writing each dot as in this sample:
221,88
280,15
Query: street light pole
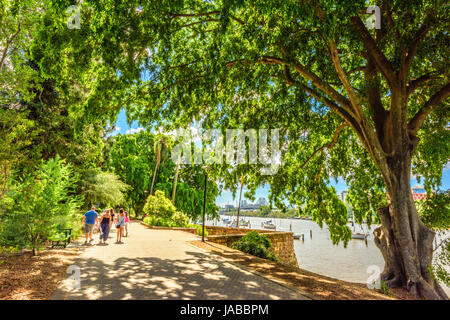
204,203
239,205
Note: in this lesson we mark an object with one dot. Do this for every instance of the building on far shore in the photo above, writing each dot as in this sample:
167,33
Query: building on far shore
419,193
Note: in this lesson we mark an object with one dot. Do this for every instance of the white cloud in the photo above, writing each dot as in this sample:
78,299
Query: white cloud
133,131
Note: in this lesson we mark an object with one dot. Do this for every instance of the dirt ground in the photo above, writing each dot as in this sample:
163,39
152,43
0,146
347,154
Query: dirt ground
317,285
27,277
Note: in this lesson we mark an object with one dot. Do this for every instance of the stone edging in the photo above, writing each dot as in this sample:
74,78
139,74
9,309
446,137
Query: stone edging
190,230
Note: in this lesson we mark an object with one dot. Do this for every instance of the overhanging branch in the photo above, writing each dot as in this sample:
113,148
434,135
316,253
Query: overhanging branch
326,145
380,59
417,121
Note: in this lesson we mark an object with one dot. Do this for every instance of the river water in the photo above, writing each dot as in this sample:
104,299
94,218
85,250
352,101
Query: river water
355,263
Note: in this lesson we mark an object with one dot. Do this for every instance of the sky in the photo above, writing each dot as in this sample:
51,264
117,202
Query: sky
226,197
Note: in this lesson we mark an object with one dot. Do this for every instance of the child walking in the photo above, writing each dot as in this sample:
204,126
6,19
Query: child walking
127,222
120,225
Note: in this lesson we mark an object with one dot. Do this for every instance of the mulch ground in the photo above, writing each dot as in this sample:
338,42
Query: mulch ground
319,286
27,277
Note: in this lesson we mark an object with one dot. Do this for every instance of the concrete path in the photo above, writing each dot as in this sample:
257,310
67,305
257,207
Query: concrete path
159,264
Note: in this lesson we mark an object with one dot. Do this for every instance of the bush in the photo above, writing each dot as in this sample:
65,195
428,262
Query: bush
37,204
255,244
162,213
159,206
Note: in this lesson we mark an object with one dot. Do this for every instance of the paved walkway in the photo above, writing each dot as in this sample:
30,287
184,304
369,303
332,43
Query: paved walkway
160,264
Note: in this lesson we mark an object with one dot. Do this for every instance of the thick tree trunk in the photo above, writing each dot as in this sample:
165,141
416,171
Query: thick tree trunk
405,242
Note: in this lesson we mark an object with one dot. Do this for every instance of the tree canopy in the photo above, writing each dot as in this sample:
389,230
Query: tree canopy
366,104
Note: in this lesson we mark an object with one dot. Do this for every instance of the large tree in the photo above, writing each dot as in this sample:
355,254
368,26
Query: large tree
365,104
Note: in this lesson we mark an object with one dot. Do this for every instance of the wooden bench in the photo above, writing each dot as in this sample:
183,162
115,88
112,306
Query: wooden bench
62,238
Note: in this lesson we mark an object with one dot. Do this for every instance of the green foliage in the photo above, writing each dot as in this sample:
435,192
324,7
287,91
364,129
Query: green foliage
435,210
16,132
104,188
161,212
256,244
435,213
132,157
190,192
265,210
158,205
20,21
199,229
36,204
385,289
441,264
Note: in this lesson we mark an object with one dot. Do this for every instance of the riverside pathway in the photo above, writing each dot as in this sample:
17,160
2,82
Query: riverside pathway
161,264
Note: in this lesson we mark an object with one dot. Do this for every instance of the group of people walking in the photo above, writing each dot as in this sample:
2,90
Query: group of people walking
107,220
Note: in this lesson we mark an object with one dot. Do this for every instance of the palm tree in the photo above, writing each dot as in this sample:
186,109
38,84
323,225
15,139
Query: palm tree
175,181
158,147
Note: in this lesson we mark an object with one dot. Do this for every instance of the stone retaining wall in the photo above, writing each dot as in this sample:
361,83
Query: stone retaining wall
282,242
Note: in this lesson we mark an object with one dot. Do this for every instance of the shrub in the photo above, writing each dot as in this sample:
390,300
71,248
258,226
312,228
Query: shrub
159,206
255,244
37,204
161,212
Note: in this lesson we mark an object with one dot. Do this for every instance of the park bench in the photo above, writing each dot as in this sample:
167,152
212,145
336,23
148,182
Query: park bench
62,237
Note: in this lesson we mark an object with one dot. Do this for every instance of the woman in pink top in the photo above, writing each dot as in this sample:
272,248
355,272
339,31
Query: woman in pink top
127,221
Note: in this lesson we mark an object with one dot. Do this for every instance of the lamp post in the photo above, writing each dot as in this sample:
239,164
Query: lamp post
239,205
205,168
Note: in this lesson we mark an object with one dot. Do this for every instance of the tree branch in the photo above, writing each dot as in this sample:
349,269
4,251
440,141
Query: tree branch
202,14
417,121
305,73
380,59
8,43
329,145
416,83
419,36
392,24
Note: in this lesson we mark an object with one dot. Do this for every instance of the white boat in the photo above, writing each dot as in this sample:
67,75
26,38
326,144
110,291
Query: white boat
244,223
359,235
268,225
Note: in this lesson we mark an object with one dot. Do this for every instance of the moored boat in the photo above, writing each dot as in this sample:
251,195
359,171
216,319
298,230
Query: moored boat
268,225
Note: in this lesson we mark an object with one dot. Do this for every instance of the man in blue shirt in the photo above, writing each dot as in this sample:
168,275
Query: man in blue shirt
90,219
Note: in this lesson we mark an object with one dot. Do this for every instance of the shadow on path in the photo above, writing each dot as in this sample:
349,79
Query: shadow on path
198,277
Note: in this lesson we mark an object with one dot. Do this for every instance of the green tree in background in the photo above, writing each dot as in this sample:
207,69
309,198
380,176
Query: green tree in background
104,188
132,158
36,204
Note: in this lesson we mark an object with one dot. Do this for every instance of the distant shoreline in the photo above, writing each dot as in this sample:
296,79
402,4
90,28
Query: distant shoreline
270,217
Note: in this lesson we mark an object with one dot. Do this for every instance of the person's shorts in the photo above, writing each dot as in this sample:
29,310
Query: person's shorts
89,228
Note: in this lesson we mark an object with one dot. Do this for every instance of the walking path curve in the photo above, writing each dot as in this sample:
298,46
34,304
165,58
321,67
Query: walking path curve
161,264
